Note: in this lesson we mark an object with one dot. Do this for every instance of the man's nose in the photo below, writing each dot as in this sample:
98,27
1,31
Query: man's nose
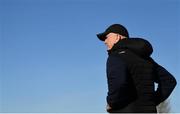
105,41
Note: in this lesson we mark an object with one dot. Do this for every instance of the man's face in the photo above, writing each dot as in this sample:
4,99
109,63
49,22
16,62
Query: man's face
111,39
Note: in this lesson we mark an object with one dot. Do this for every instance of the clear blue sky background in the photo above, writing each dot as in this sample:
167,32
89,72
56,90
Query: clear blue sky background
51,60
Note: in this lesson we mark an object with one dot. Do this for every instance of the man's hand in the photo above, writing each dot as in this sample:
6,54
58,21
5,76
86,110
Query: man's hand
108,108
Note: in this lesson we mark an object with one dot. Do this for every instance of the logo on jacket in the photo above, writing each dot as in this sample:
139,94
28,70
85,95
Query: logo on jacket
121,52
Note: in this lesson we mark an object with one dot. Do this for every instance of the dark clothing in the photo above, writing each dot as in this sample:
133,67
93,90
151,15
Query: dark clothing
131,74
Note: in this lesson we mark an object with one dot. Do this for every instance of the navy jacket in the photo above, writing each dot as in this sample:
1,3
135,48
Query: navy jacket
131,74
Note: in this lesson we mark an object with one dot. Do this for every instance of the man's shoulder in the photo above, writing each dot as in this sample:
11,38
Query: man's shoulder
119,57
122,54
127,56
116,58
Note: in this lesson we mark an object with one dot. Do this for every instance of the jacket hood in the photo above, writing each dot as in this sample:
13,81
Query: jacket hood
137,45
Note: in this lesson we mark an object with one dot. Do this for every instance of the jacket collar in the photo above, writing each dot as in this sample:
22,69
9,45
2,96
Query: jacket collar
137,45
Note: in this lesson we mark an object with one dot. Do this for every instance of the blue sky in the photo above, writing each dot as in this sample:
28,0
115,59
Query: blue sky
51,60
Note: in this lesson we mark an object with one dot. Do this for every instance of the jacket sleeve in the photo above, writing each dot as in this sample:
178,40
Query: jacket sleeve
118,85
166,83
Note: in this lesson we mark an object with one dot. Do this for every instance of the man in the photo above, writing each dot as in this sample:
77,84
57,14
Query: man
131,73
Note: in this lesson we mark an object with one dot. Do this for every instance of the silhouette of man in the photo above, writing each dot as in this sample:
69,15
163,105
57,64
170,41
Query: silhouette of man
131,73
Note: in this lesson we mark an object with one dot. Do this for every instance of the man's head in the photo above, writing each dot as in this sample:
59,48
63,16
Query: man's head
113,34
111,39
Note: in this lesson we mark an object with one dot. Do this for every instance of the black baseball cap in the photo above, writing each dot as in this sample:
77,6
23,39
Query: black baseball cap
115,28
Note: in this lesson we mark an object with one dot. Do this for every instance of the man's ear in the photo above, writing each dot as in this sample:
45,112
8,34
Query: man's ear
118,38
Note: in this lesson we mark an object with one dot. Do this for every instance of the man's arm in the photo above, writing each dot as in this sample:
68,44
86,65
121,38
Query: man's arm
166,83
108,108
118,86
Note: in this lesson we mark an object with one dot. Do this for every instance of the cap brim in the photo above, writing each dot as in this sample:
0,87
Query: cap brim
102,36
